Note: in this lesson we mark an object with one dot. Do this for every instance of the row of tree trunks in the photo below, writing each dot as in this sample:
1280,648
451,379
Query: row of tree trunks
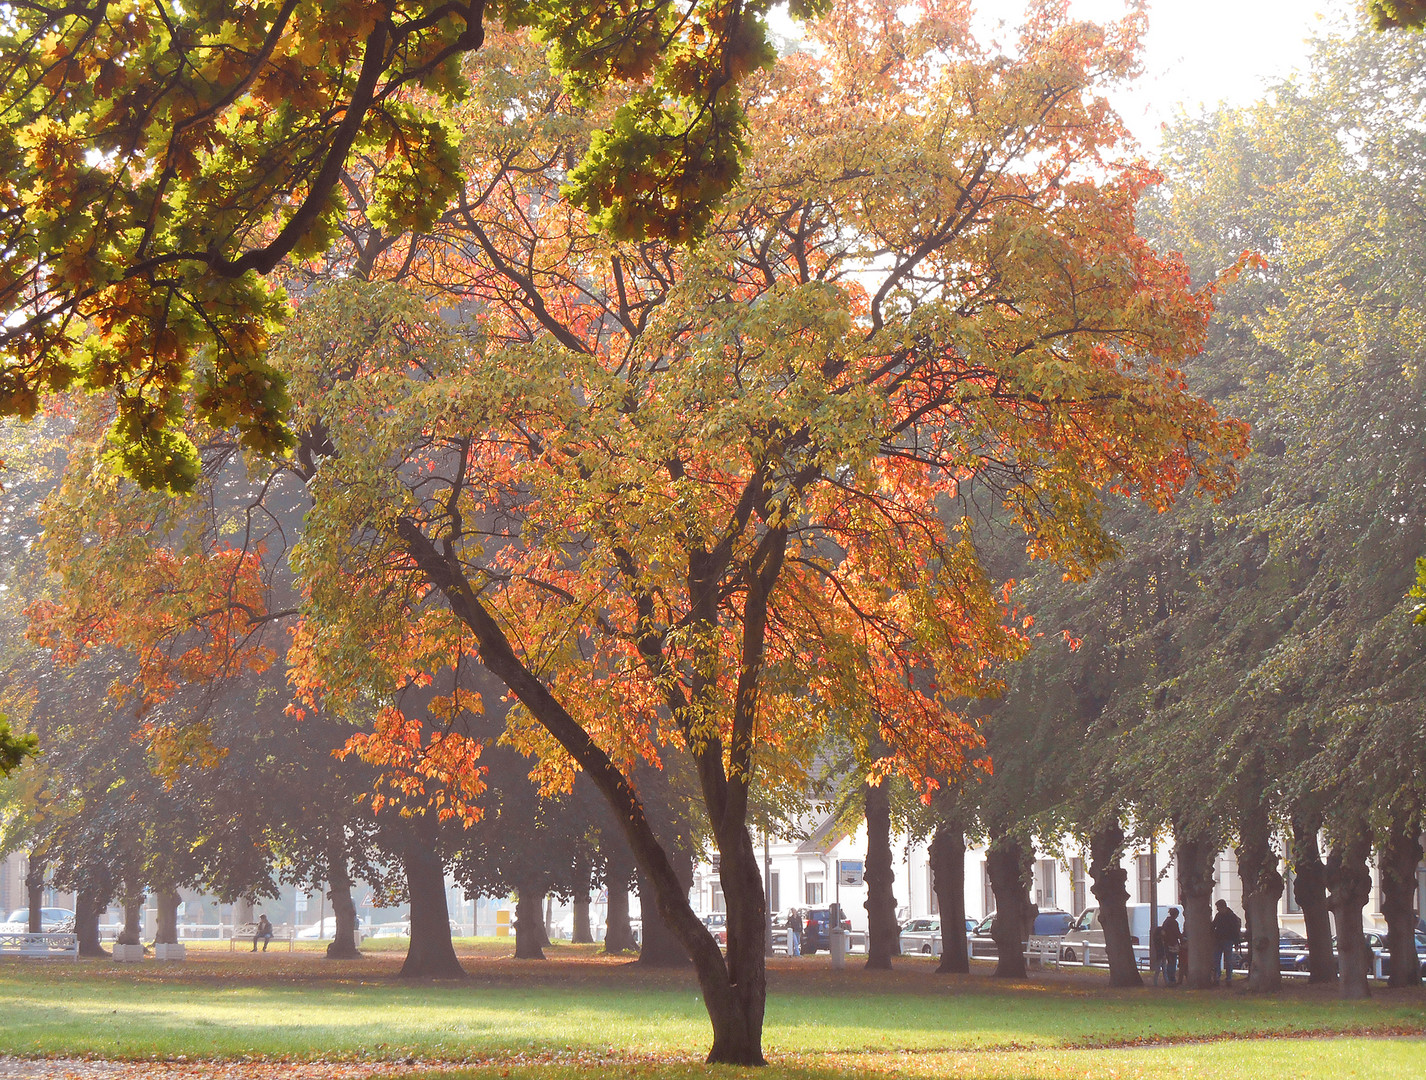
883,931
1106,847
1400,855
1309,886
947,854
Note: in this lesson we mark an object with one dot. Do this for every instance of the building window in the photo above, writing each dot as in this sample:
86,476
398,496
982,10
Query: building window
812,892
933,902
1146,878
1420,889
1079,892
774,903
987,893
1045,883
716,895
1289,892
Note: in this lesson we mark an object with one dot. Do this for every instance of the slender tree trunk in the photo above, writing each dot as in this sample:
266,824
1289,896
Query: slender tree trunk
660,946
1400,855
166,928
1262,889
883,932
343,945
430,954
1195,896
528,928
88,907
1106,849
133,931
35,892
1008,863
1309,886
947,856
1349,884
582,932
618,935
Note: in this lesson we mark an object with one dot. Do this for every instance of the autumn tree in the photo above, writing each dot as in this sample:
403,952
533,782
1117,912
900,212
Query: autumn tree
702,506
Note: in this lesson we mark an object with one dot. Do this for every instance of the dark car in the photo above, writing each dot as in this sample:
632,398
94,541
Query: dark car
1291,951
1379,954
815,923
1051,922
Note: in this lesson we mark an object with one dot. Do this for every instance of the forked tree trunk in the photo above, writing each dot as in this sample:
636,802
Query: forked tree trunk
1195,896
1349,884
883,933
88,907
430,954
947,856
35,892
166,917
618,934
660,946
529,929
1008,863
343,945
1106,849
1262,889
1309,886
1400,855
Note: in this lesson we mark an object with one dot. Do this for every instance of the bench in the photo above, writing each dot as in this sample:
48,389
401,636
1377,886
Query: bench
247,932
1043,949
53,944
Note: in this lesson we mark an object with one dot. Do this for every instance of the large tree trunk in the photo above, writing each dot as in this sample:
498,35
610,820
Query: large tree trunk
88,907
430,954
1106,849
1349,884
660,946
166,919
947,856
35,892
1195,896
583,931
1400,855
529,931
1008,863
133,929
1309,886
619,868
1262,889
883,932
343,945
737,1014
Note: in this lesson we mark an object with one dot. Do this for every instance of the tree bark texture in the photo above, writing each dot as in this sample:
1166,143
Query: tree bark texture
1195,895
660,946
1106,849
343,945
529,931
166,919
1008,862
1309,886
430,954
1398,858
883,931
583,930
947,856
88,906
1262,889
1349,885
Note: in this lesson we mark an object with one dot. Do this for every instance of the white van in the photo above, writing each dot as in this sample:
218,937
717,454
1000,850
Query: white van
1084,941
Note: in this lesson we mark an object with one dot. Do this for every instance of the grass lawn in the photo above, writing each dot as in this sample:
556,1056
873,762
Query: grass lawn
581,1015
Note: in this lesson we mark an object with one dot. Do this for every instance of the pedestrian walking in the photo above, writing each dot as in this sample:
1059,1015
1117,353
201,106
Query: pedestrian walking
794,932
1173,942
1227,932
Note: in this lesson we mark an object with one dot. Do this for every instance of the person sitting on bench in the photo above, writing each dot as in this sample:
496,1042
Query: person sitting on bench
263,933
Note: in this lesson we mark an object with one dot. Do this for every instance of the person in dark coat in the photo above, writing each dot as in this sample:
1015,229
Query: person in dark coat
1227,930
1173,942
263,932
794,933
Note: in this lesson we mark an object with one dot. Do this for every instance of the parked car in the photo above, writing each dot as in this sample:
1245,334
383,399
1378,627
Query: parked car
1377,943
815,923
1084,941
51,918
717,923
1050,921
922,936
327,929
1291,951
